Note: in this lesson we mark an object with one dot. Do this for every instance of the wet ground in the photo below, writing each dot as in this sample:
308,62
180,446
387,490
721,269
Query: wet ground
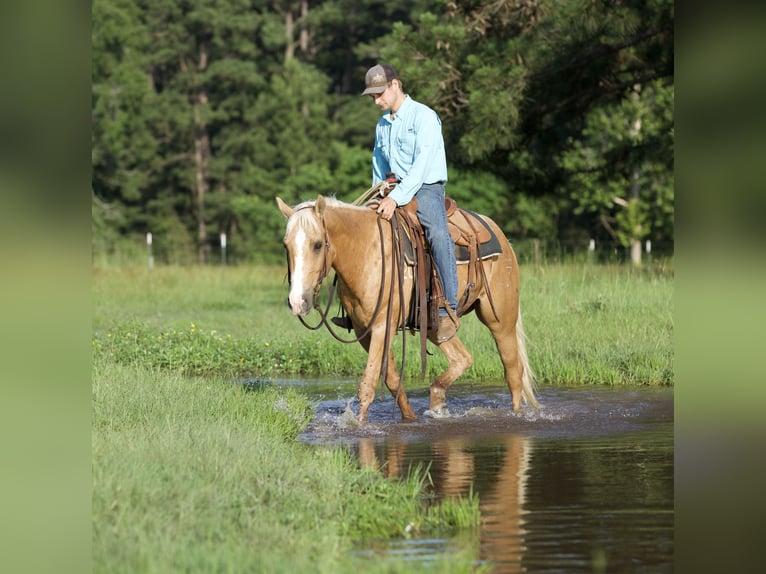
584,484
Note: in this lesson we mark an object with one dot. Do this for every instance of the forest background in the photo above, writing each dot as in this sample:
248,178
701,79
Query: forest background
557,117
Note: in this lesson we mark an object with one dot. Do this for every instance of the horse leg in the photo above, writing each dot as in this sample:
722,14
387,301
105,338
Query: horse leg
513,372
458,361
373,344
393,382
504,334
369,381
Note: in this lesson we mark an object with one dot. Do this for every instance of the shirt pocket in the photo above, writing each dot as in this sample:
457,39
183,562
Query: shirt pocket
405,143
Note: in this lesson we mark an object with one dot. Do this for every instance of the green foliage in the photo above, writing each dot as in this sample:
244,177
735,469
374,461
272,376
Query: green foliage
621,165
535,216
409,500
196,352
106,222
203,112
481,192
586,324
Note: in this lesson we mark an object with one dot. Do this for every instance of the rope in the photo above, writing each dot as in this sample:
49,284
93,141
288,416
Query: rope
323,314
381,188
397,271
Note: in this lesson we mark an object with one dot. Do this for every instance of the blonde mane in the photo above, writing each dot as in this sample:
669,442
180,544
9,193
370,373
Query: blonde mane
303,216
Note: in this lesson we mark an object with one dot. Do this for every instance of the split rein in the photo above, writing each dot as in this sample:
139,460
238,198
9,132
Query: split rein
399,264
323,313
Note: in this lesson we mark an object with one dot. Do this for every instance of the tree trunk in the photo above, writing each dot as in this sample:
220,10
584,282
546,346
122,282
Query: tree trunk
304,35
303,41
635,242
201,174
289,36
201,156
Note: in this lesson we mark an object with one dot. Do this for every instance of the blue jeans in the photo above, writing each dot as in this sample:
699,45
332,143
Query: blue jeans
433,218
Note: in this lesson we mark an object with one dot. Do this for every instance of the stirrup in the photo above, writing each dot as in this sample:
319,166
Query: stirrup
342,322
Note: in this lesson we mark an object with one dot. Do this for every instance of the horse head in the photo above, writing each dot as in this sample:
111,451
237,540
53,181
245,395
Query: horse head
307,247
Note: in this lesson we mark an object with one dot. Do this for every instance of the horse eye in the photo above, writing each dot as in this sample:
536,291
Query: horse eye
317,246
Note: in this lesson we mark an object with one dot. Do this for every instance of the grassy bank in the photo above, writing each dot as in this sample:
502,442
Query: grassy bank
586,324
192,472
201,475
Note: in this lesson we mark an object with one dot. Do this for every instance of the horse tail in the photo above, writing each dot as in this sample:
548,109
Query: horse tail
528,380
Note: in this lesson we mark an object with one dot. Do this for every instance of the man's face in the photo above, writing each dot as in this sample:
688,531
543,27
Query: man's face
385,100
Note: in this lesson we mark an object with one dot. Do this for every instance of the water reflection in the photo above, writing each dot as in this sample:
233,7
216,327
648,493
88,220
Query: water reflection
502,538
585,485
496,468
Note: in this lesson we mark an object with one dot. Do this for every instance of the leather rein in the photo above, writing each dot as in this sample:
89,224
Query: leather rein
399,262
323,313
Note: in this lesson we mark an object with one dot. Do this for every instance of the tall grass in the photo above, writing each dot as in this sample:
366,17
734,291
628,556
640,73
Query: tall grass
201,475
600,324
193,472
585,324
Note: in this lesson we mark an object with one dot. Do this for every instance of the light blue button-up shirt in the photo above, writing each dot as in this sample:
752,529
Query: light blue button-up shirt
410,146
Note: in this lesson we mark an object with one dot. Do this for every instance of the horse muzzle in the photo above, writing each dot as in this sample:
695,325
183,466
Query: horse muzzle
301,303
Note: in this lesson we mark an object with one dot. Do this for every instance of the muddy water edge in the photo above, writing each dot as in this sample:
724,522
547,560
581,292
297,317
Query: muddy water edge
584,484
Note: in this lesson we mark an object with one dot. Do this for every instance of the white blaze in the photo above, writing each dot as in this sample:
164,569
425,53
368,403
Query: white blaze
296,277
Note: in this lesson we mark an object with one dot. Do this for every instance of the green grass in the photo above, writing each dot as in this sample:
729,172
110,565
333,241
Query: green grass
193,472
600,325
202,475
586,324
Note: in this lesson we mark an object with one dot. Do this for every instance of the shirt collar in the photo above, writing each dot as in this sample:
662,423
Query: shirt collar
402,109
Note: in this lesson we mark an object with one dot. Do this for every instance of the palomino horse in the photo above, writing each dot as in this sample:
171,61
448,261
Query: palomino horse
327,233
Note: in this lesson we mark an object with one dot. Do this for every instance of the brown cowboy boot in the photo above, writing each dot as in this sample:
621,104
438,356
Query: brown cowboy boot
445,329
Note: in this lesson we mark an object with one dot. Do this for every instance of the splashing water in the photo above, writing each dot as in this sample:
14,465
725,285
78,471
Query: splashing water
591,469
347,419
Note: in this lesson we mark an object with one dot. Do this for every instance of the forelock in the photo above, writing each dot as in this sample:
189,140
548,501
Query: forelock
303,218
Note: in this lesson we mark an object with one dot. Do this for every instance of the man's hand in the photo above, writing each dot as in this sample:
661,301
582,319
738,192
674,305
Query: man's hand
386,208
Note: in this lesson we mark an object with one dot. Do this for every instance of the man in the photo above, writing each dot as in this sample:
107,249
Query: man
409,145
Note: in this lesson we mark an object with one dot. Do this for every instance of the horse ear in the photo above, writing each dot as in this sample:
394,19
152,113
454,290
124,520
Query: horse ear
320,205
286,210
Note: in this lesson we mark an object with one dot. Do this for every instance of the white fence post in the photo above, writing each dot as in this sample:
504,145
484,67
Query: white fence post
149,249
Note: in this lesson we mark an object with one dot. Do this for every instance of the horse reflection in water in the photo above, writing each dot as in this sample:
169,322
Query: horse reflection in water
328,234
454,468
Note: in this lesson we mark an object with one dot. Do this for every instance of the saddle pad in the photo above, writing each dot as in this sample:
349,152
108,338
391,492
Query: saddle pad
487,248
465,228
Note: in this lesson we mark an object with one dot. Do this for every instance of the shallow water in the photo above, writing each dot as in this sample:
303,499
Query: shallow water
585,484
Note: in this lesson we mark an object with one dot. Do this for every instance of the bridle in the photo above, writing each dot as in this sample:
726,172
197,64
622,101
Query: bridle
325,263
323,313
398,262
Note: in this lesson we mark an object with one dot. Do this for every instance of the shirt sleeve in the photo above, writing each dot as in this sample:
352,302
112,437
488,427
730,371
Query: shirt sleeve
379,165
428,139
